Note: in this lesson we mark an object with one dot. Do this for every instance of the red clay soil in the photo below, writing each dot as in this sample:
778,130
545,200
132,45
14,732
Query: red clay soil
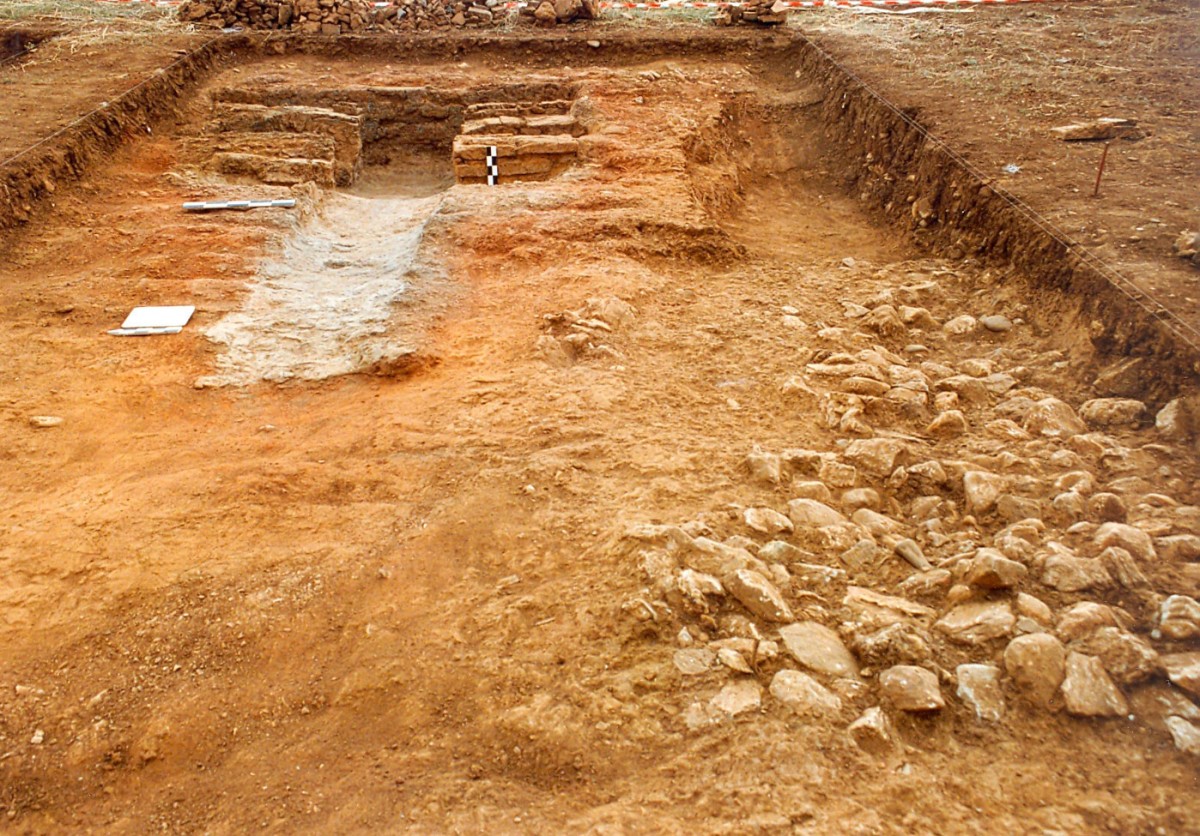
412,602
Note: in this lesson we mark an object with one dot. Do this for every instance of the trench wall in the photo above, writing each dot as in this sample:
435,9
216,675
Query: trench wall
889,157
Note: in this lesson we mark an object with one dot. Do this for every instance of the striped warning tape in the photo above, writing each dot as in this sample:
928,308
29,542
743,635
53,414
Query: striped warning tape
700,4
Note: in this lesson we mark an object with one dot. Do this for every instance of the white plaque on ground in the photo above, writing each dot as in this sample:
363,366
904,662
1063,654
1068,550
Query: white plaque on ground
166,319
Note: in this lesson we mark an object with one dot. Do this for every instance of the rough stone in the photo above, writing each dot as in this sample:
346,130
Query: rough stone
861,498
1111,413
872,732
990,569
979,688
758,595
733,660
1183,669
878,456
1127,658
1121,566
803,694
1185,735
1107,507
976,622
692,661
949,424
960,325
912,554
910,688
1088,691
812,490
810,512
1037,664
738,697
876,610
1172,421
982,489
818,648
1085,618
762,466
1128,537
1063,571
1033,607
1052,418
1179,617
767,520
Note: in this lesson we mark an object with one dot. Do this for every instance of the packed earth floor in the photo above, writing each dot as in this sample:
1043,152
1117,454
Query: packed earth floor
666,490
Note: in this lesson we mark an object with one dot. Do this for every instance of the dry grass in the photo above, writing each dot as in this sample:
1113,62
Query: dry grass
79,10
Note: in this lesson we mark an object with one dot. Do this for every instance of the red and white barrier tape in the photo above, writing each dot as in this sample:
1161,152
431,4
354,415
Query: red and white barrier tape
705,4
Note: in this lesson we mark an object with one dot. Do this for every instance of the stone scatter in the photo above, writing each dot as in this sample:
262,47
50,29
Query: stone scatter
964,537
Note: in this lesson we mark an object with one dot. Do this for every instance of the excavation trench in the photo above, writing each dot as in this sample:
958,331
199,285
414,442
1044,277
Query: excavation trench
883,158
691,300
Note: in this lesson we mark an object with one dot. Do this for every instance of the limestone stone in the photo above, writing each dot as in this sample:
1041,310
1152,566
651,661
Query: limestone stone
757,594
872,732
812,490
1069,506
818,648
1085,618
1063,571
1132,539
1185,735
982,489
1121,566
738,697
910,688
1014,508
767,520
803,694
810,512
777,551
1053,418
861,498
1107,507
1178,547
875,523
837,474
912,554
762,466
1037,664
1179,617
862,554
1183,669
1088,691
960,325
877,456
990,569
979,688
949,424
1172,421
692,661
734,660
976,622
1127,658
1034,607
876,610
1110,413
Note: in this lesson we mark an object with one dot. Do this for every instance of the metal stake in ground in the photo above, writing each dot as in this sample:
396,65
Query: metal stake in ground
1100,171
493,168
